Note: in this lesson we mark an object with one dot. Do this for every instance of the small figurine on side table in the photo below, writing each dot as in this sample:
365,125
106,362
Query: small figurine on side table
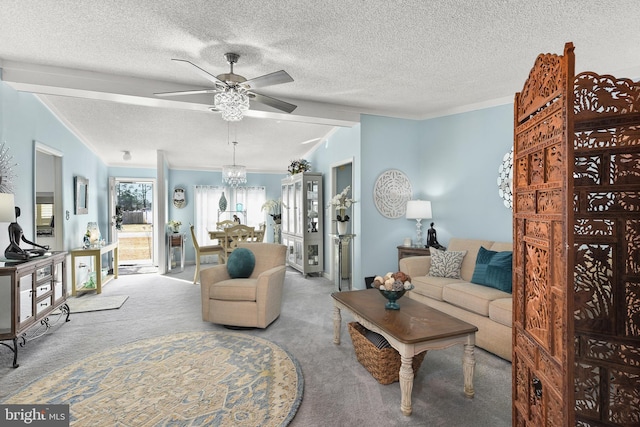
432,240
14,251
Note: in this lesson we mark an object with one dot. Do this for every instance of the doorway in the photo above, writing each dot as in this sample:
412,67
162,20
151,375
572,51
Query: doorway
341,177
132,206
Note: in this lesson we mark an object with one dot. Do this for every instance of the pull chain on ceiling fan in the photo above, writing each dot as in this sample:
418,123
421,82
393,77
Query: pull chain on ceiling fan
232,92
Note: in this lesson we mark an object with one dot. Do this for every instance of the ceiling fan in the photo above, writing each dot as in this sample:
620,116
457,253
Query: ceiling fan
232,92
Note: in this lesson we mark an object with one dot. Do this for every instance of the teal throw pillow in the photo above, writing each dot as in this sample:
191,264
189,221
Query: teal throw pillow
241,263
493,269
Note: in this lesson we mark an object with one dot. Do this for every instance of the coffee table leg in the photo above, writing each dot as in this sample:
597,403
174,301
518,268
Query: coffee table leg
406,384
337,322
468,367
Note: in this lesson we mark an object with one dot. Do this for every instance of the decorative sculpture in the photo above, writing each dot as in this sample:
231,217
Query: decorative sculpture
14,251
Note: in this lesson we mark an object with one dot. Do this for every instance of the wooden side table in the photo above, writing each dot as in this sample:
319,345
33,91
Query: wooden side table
406,251
175,241
96,253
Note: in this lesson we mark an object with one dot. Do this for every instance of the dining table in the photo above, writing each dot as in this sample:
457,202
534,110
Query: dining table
219,234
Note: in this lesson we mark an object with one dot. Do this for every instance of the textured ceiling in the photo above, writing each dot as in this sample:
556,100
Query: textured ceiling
411,59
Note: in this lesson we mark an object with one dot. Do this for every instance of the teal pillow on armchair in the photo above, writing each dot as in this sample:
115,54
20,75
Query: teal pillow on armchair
241,263
494,269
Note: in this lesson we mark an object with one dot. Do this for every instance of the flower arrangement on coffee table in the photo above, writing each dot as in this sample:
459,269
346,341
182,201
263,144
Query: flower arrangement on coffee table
393,286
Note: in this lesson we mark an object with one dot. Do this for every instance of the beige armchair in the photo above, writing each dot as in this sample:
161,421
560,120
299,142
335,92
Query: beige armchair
251,302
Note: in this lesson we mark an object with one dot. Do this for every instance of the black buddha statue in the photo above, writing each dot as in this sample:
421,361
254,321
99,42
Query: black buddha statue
14,251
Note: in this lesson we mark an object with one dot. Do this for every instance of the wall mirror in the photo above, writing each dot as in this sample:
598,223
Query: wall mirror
48,206
81,195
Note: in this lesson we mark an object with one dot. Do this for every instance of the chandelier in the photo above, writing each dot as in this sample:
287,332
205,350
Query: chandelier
232,102
234,175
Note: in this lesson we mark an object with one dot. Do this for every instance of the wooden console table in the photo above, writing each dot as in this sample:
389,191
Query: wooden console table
96,253
29,292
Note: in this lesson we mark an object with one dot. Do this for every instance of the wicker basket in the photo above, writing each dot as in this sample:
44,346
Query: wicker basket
383,364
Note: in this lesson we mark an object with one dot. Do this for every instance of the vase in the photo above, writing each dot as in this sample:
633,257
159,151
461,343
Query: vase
392,298
342,227
222,203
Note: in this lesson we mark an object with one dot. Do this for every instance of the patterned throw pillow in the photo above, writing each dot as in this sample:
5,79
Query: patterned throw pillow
446,263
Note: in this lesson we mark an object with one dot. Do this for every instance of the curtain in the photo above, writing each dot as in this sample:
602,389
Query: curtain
207,199
252,199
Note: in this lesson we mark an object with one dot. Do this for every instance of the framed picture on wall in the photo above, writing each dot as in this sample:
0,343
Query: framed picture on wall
81,195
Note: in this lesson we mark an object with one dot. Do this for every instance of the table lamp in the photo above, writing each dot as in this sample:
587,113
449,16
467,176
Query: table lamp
7,208
7,213
418,210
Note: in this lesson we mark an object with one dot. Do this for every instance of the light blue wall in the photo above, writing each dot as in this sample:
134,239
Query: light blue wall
462,155
387,143
25,120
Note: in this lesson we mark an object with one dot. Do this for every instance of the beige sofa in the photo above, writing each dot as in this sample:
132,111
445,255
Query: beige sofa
487,308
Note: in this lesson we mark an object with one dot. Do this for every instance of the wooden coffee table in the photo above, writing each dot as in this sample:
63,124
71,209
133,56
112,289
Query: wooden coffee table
411,330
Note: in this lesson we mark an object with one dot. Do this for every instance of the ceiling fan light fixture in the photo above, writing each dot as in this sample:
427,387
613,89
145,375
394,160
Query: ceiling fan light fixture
232,102
234,175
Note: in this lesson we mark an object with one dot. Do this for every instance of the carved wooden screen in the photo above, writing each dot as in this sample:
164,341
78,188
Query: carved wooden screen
543,351
607,250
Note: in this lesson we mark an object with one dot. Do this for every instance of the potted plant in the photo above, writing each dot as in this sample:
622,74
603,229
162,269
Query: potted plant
342,202
174,226
299,166
274,209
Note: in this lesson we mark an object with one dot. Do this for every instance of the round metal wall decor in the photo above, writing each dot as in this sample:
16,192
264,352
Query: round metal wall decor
6,170
391,193
505,179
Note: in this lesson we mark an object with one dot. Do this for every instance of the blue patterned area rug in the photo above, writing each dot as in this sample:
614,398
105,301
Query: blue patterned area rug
187,379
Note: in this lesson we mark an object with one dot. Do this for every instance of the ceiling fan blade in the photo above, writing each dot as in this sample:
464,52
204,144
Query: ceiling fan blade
273,102
200,71
186,92
275,78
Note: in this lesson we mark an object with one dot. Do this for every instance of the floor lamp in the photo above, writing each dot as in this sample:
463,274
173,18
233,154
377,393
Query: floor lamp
418,210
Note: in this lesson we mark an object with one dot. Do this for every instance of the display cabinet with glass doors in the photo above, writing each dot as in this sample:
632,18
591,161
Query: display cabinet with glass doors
302,224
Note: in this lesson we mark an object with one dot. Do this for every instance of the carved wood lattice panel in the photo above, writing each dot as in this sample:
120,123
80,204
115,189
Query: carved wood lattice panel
543,205
607,251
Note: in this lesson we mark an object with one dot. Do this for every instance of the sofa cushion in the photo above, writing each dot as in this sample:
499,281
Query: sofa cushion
471,246
446,263
431,286
493,269
234,290
241,263
472,297
501,311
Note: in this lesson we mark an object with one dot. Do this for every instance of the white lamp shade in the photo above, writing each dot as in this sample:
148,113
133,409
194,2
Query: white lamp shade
418,209
7,208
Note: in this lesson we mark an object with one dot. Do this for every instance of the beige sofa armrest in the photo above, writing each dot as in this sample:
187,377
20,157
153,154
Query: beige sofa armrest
208,277
415,266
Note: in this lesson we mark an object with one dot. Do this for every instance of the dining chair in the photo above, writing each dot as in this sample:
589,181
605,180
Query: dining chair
225,224
234,235
260,232
203,251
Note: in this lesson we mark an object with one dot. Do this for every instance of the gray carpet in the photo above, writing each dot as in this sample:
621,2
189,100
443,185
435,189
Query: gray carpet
338,390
